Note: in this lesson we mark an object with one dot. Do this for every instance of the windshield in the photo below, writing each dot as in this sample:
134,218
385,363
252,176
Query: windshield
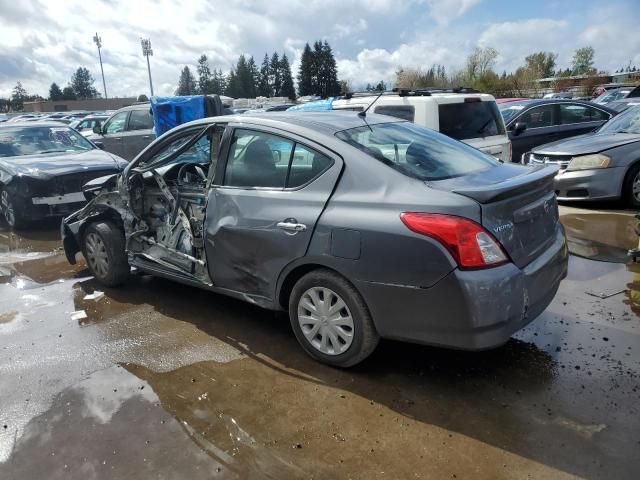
416,151
470,119
626,122
508,111
611,96
37,140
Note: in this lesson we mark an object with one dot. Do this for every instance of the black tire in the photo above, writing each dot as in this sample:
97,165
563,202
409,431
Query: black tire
627,187
105,241
10,211
365,336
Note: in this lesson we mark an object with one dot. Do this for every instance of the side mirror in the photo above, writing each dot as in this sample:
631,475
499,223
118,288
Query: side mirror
97,129
518,128
100,145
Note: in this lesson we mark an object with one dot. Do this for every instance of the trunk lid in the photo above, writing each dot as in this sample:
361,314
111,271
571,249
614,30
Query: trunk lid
518,206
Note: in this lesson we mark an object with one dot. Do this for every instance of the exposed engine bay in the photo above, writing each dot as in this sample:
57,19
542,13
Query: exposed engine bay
170,206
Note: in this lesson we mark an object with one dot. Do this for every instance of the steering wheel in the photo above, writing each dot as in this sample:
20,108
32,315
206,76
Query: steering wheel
185,176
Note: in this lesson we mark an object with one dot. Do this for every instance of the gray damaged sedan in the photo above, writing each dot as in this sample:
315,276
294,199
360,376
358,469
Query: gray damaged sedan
602,165
360,226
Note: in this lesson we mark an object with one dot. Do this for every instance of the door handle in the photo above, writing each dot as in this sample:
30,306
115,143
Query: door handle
118,139
146,137
291,227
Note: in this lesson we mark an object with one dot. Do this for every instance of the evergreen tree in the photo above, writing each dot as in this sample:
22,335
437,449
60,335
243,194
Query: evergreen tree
186,83
18,96
287,90
204,75
252,78
68,93
54,92
233,88
275,77
305,73
218,83
328,72
143,98
82,84
264,87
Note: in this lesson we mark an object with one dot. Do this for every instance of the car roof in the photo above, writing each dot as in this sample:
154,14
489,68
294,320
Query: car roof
328,122
43,123
543,101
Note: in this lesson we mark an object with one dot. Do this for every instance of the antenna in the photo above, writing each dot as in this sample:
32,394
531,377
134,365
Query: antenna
363,113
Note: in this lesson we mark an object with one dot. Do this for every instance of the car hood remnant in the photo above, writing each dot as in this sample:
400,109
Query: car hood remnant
589,143
47,166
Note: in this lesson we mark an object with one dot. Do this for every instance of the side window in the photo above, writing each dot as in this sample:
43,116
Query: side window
574,113
306,165
539,117
405,112
140,120
257,159
117,123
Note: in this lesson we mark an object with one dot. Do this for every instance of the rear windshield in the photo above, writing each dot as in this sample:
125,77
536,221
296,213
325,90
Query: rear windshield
466,120
417,151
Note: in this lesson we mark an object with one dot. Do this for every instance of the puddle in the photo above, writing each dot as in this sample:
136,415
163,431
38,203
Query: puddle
603,237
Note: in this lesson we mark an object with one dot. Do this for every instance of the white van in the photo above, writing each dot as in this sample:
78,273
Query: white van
464,114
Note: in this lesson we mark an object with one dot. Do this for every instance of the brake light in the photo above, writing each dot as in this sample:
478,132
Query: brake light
472,99
470,244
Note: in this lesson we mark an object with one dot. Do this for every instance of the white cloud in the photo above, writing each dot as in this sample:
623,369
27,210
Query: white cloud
348,29
515,40
444,11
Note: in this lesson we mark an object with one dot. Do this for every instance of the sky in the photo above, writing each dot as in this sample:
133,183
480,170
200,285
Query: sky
45,41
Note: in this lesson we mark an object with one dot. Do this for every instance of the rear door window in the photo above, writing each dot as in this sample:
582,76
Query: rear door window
466,120
405,112
140,120
575,113
306,165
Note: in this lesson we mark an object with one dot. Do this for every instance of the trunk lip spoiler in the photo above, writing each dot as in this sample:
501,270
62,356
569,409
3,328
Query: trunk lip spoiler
511,187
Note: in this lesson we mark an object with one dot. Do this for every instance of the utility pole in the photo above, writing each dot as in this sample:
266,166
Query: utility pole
98,42
147,52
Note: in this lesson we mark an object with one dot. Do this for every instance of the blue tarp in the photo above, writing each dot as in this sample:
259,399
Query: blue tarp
169,112
318,105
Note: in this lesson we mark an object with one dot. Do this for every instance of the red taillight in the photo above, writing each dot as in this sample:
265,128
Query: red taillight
468,242
472,99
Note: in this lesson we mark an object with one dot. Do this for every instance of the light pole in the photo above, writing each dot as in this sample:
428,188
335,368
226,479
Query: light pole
147,52
98,42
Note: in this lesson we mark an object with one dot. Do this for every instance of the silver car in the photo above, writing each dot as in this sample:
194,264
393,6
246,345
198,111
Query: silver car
361,226
602,165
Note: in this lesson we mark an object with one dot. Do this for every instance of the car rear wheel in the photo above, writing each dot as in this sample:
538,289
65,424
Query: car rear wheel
103,247
9,211
631,187
331,320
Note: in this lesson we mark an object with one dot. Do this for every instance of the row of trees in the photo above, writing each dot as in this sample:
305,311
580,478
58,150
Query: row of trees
245,79
479,72
318,75
80,87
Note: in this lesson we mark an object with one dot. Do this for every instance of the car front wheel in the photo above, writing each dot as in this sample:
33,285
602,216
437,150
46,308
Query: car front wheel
103,247
631,187
10,213
331,320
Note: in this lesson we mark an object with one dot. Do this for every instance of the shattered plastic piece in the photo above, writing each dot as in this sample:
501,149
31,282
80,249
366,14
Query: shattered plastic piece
96,295
78,315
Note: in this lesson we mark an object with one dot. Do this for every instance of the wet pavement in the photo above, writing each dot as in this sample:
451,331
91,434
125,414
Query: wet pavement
158,380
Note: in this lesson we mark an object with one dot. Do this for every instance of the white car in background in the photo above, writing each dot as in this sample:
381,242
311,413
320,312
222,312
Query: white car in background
461,113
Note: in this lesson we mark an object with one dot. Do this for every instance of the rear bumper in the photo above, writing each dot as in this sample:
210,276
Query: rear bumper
598,184
471,310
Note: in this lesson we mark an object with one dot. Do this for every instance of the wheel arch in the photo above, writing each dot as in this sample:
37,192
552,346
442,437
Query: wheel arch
632,165
294,272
